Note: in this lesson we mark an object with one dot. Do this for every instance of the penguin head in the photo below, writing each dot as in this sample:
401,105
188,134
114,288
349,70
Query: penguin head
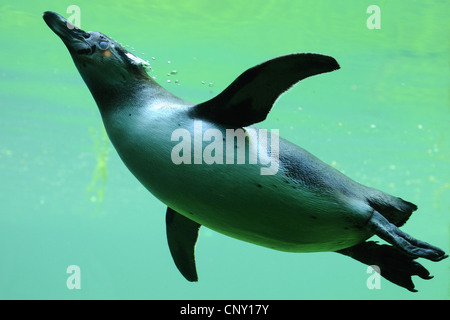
101,61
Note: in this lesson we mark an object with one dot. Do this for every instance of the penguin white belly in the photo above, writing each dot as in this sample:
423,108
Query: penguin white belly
235,199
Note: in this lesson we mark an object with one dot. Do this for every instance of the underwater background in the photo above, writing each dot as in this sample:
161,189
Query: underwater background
66,199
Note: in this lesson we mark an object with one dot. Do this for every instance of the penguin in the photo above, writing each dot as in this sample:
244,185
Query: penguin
298,204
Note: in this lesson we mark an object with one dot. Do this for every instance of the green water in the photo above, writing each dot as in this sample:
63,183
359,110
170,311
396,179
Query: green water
67,199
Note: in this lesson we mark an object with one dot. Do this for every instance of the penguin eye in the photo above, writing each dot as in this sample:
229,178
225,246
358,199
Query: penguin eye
103,45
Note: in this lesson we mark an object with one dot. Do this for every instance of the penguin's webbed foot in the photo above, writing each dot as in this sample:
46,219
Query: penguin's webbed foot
393,264
403,241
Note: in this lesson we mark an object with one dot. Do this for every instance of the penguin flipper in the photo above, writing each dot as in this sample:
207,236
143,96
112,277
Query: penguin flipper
249,98
182,235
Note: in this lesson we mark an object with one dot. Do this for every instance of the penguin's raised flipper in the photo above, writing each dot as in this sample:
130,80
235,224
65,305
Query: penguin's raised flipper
249,98
182,235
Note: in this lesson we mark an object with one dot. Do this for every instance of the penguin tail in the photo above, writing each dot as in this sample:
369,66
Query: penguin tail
396,210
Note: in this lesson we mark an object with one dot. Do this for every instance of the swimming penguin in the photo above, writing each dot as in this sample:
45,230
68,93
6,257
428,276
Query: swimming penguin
299,204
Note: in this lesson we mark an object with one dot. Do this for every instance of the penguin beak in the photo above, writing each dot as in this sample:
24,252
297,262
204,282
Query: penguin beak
73,37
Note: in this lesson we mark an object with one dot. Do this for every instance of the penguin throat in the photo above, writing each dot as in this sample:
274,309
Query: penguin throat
121,95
